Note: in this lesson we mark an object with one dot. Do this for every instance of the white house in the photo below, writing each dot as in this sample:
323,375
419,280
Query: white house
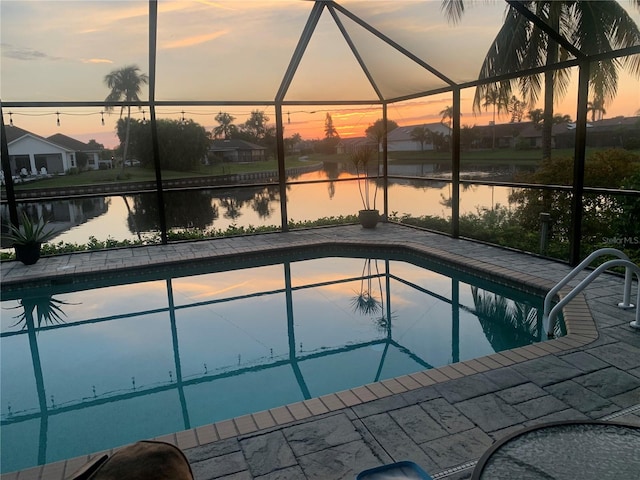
32,154
399,139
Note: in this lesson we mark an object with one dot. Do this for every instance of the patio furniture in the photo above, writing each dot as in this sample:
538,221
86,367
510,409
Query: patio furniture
400,470
582,450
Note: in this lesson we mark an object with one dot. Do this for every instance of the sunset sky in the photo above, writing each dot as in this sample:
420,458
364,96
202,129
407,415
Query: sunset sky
225,51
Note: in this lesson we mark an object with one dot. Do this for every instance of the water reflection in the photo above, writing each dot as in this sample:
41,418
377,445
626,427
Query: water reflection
374,350
369,299
136,217
48,311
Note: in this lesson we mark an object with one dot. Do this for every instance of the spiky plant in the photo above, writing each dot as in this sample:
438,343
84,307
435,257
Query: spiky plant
30,233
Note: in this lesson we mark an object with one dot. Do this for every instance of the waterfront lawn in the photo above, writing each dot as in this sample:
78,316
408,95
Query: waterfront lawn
140,174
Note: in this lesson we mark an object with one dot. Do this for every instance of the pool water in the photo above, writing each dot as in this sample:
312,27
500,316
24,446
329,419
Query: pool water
102,362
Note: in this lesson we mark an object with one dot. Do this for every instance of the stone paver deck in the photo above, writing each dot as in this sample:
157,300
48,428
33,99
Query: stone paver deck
442,419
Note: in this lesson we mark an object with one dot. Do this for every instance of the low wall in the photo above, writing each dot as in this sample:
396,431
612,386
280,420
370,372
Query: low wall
150,186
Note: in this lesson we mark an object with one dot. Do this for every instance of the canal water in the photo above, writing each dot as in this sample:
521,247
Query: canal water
131,217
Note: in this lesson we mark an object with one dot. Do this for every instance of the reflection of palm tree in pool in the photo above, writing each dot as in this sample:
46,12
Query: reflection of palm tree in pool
507,323
48,311
365,301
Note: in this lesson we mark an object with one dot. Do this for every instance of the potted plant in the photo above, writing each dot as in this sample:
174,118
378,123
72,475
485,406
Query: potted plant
369,215
28,238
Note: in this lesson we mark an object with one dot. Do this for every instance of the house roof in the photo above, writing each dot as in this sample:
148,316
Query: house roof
234,144
59,140
613,123
512,129
534,130
69,143
14,133
356,141
403,133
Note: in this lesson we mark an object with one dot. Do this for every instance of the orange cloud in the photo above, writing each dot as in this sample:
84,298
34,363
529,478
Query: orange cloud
96,60
196,40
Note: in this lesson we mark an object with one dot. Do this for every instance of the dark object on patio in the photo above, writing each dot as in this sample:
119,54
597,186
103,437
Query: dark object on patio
141,461
585,450
400,470
369,218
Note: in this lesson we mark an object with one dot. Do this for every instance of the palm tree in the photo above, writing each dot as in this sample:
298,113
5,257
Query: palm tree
226,128
516,108
495,97
421,134
447,114
596,107
593,27
126,86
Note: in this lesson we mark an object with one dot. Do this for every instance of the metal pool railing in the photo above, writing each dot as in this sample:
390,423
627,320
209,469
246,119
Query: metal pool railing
631,268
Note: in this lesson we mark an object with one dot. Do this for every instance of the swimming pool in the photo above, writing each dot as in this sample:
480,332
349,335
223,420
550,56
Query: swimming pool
122,357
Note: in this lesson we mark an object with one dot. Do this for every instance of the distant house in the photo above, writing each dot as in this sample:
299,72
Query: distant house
506,134
399,139
351,145
93,155
32,154
531,136
618,132
233,150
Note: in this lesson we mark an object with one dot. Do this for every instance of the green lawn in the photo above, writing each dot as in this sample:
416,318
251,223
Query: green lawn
139,174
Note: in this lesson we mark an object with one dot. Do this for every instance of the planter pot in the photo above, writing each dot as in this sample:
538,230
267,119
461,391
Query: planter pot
369,218
28,254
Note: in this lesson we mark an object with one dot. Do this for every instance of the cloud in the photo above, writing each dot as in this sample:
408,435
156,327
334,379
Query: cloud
18,53
196,40
96,60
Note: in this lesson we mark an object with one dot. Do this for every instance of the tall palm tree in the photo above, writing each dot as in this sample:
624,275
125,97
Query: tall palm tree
447,115
593,27
499,100
126,86
421,134
596,107
226,128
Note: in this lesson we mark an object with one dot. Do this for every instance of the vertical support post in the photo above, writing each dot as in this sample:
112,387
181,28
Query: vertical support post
626,296
282,173
544,231
6,169
578,164
153,30
455,165
385,166
455,320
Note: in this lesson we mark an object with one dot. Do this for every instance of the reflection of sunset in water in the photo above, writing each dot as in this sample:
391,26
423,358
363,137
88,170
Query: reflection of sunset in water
304,202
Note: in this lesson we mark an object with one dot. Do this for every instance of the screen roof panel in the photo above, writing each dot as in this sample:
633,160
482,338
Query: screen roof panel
394,72
227,51
328,70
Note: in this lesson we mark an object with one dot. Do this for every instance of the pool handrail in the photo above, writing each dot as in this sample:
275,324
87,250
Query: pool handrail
630,269
584,264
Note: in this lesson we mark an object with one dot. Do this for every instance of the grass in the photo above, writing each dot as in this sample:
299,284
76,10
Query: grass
140,174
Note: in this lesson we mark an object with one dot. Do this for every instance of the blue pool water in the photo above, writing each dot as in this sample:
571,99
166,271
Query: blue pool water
98,363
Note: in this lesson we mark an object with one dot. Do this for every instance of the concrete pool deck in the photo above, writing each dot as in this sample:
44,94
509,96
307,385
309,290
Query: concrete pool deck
442,419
